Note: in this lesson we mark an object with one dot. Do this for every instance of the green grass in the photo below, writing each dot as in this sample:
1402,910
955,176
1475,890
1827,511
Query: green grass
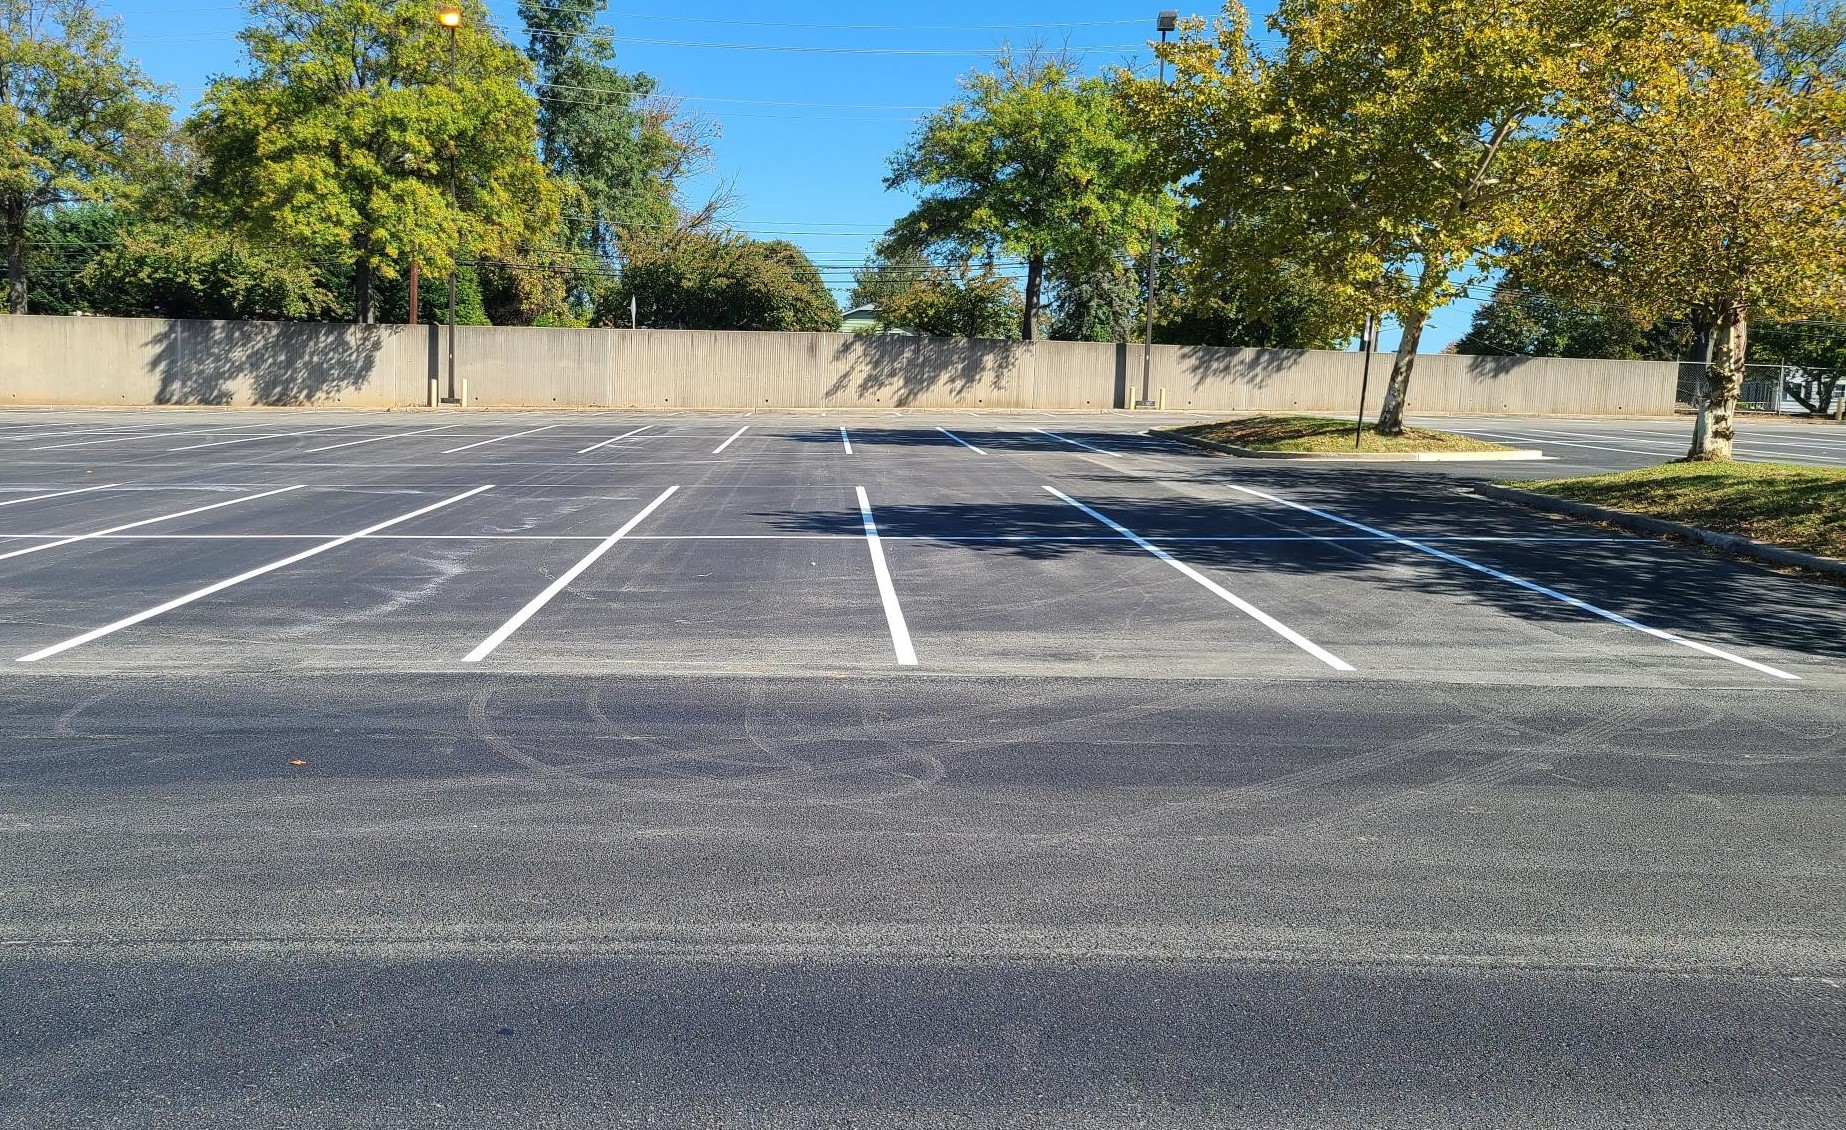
1783,504
1318,433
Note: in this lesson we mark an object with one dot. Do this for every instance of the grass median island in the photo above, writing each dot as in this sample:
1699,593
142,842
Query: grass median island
1785,504
1322,434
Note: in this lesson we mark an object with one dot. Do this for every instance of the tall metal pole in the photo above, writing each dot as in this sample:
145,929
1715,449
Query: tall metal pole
1166,24
454,205
1365,377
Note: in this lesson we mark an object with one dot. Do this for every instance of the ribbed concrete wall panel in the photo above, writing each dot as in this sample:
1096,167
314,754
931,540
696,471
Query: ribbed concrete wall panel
100,361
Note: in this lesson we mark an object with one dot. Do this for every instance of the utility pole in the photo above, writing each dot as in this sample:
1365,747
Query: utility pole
1166,23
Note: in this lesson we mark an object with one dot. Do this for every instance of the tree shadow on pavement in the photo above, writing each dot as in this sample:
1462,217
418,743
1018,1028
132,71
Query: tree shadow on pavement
1661,585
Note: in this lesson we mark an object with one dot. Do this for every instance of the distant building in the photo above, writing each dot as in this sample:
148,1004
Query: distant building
864,320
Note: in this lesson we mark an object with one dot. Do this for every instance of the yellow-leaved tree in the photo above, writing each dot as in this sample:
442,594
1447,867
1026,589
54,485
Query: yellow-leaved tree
1713,188
1368,152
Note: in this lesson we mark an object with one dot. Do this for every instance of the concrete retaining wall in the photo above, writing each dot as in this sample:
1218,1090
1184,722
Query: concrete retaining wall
50,360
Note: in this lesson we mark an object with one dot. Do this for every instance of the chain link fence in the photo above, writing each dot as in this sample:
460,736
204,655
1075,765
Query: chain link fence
1786,390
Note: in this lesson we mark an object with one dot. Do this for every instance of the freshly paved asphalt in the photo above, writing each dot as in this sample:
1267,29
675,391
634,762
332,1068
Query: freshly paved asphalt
692,847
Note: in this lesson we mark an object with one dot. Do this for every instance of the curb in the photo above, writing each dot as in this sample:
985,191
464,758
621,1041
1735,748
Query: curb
1354,457
1642,524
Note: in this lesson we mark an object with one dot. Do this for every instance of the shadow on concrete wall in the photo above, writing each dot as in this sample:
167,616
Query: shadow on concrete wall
903,370
1210,364
272,363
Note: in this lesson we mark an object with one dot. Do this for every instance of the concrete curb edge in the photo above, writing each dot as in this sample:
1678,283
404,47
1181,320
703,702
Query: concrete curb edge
1355,457
1641,523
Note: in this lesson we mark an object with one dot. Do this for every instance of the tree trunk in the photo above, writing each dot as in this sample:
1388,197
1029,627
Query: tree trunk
1391,416
362,291
1715,430
1035,279
16,254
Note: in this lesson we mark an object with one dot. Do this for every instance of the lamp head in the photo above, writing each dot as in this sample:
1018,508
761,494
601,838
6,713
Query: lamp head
1169,21
449,16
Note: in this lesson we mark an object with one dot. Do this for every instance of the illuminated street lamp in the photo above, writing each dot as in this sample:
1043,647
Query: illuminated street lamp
450,16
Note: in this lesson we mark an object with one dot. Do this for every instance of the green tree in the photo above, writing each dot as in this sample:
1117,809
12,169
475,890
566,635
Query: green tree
599,128
78,122
719,281
1034,162
1519,321
1096,299
957,299
343,138
171,270
1369,150
1635,206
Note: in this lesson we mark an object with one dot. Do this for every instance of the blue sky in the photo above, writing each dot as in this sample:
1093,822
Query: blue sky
811,98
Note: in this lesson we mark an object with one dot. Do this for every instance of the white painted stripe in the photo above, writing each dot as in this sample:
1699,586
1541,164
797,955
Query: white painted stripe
497,439
719,450
487,646
1078,443
1633,543
147,522
1242,605
66,432
607,442
846,440
122,439
208,590
961,441
894,613
381,439
270,435
57,494
1530,586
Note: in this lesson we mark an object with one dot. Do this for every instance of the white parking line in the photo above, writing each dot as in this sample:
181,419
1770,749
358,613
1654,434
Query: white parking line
961,441
1078,443
1580,605
894,613
380,439
1242,605
846,440
719,450
57,494
122,439
208,590
65,432
270,435
497,439
607,442
487,646
146,522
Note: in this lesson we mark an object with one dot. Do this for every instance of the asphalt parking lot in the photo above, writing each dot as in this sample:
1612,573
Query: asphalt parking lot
895,769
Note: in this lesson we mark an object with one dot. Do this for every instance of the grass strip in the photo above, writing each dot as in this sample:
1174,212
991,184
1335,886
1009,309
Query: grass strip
1785,504
1325,434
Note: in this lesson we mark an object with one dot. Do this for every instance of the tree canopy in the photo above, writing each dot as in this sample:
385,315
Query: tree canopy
1716,187
956,299
345,132
1367,151
78,121
599,129
1034,162
719,281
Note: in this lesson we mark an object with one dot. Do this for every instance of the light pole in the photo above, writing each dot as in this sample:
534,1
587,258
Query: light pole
1166,23
450,16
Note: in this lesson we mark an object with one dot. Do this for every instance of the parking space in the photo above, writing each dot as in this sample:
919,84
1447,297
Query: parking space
989,543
